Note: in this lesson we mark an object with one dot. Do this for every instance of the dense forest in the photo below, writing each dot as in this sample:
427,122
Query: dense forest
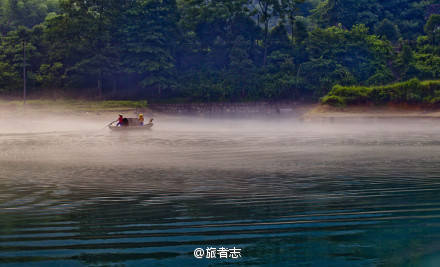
214,50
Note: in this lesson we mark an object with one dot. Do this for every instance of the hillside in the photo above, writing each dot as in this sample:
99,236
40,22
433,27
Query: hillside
225,50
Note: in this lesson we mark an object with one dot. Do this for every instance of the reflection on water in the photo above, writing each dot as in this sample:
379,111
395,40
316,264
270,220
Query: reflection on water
285,192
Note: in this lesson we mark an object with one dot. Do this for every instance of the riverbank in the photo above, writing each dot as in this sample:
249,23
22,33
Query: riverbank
72,105
372,112
234,109
107,110
129,108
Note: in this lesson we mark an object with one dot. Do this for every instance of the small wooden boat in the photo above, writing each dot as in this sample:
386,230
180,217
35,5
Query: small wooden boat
133,124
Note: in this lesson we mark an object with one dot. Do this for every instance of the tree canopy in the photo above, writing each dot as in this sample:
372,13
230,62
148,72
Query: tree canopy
215,50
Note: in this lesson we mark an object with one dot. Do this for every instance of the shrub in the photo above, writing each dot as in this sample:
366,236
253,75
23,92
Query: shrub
352,94
434,101
333,100
412,91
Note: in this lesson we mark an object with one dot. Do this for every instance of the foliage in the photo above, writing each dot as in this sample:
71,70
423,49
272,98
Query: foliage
406,15
218,50
80,105
148,42
388,30
412,91
432,29
28,13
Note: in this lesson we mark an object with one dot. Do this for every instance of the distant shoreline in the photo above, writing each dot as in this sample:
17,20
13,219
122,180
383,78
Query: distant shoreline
208,109
284,109
73,105
373,112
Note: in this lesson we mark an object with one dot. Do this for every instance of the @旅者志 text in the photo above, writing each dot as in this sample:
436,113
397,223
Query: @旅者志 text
217,253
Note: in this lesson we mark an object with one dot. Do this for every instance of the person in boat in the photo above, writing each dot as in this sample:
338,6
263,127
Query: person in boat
141,119
124,122
120,120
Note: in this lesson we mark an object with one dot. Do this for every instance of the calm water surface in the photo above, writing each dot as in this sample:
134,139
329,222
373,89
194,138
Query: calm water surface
285,192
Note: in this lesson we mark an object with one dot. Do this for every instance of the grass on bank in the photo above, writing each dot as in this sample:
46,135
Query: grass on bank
78,105
409,92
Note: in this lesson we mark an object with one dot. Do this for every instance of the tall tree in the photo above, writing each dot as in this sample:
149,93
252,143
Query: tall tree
89,27
148,42
213,26
29,13
387,29
266,11
432,29
290,10
408,15
241,66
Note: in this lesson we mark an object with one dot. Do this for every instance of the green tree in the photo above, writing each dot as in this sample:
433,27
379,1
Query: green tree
241,66
432,29
299,32
13,46
9,75
212,27
148,42
266,10
387,29
29,13
405,63
290,9
407,15
90,53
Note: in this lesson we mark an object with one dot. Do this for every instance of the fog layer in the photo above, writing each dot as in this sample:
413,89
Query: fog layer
266,143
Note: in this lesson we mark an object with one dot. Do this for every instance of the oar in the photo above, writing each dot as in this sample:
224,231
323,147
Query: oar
109,124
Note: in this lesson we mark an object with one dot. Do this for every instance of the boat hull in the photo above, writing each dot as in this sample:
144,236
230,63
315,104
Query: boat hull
131,128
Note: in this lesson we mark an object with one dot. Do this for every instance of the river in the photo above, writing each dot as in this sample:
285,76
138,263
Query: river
285,192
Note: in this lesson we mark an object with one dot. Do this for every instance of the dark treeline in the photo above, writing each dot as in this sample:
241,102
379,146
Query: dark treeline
214,50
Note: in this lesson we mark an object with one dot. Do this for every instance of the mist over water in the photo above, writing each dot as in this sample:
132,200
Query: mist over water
285,191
